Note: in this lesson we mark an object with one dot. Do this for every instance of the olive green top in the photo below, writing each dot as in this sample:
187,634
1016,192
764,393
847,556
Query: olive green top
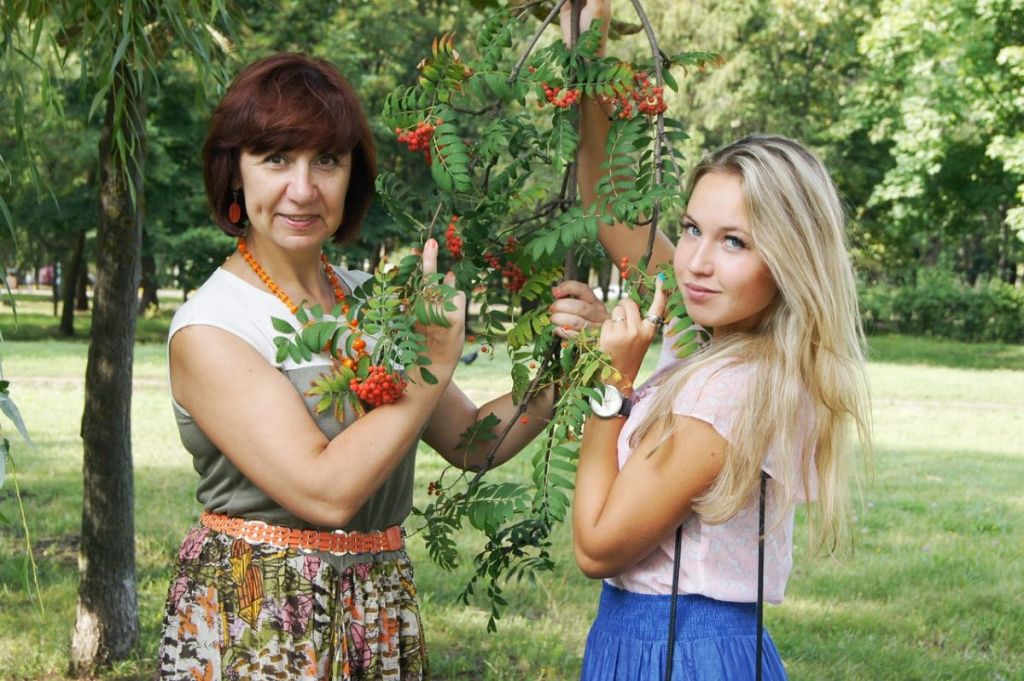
227,302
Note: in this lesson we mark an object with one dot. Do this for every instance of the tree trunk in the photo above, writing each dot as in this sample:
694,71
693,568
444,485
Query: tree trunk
82,295
1006,267
73,274
55,288
149,284
376,251
107,624
604,279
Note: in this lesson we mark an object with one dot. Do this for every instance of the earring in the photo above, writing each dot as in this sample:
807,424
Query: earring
235,209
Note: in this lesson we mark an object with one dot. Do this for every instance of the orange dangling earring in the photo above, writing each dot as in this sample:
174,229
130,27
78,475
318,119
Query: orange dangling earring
235,209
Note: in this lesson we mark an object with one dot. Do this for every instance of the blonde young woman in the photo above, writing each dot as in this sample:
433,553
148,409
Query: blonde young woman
761,261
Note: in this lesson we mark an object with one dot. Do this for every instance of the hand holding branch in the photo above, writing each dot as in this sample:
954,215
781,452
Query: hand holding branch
627,335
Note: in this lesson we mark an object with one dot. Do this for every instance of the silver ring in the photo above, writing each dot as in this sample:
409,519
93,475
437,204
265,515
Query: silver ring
655,319
617,320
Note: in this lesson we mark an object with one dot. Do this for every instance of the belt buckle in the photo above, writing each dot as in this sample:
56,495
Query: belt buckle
252,524
340,533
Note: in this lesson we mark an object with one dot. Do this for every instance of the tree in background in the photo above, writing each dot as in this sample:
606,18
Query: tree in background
913,104
934,93
116,46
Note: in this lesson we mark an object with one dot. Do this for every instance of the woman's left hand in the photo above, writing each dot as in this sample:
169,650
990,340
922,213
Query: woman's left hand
627,335
576,308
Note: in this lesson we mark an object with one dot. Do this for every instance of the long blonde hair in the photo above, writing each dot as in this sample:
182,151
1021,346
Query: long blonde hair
809,346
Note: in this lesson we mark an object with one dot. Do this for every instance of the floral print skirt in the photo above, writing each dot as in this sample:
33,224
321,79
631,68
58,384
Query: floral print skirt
237,610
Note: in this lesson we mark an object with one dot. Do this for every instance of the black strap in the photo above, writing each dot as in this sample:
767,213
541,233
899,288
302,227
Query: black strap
670,653
760,580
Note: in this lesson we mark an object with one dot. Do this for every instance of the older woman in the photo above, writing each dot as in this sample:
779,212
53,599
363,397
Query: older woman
297,568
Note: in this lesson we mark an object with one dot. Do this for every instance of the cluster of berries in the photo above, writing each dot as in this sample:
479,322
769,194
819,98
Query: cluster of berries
418,138
453,238
514,277
570,97
434,488
649,100
379,387
624,268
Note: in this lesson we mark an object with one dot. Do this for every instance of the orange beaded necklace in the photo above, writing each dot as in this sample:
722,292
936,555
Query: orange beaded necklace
339,293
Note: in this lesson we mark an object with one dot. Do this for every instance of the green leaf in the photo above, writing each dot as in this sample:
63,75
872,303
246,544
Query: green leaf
10,410
281,325
428,377
283,351
568,466
520,381
498,83
670,80
345,375
564,138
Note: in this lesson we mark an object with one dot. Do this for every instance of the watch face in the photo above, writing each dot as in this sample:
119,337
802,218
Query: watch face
610,404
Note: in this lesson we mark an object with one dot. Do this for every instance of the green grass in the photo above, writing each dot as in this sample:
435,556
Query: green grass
933,590
945,353
32,319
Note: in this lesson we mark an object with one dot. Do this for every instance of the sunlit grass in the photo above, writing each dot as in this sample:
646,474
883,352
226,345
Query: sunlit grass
933,589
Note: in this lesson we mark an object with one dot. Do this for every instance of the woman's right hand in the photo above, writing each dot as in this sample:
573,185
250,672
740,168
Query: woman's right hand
576,308
444,344
592,9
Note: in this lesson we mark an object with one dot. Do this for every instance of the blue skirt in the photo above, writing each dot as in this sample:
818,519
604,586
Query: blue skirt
715,640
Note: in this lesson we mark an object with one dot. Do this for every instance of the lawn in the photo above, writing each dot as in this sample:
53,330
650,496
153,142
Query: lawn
932,591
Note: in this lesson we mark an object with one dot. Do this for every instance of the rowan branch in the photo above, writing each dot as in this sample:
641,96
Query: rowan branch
548,20
550,355
658,60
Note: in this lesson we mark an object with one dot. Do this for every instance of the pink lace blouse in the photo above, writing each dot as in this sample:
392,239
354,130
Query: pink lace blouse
717,561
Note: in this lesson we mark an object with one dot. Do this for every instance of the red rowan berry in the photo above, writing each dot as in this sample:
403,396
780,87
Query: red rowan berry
453,239
379,387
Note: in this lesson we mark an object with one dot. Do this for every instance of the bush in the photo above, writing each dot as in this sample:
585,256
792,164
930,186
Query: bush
940,304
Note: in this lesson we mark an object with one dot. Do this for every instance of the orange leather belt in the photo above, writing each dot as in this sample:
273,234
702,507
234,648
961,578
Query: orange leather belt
337,542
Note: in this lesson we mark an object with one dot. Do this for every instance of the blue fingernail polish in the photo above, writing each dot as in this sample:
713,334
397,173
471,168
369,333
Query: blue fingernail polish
661,277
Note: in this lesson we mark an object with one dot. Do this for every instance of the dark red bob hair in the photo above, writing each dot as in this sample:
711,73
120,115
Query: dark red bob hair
282,103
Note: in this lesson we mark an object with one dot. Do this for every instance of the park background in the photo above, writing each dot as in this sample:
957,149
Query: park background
917,107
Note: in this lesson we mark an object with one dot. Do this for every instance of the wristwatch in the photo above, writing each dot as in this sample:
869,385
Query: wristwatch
612,404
